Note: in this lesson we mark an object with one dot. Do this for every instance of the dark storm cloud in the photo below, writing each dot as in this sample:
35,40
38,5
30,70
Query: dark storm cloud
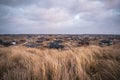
60,16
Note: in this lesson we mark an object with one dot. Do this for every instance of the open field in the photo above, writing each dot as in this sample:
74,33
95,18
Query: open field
85,62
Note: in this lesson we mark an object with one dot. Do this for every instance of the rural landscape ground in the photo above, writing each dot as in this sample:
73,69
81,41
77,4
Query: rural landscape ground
60,57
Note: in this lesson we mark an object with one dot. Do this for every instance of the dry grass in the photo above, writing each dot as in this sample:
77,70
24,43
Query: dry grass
85,63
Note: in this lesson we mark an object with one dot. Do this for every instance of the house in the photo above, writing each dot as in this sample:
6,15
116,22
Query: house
13,42
106,42
55,45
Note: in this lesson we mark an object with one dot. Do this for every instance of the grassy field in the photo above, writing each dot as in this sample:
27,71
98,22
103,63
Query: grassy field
84,63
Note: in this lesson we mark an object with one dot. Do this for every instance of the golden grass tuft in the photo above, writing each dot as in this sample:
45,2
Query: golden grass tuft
85,63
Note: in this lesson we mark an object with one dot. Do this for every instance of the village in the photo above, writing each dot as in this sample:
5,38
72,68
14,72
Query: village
58,41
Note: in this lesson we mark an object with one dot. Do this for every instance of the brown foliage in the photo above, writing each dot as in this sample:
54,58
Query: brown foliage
85,63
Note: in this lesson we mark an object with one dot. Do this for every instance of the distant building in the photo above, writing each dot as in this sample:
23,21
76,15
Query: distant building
56,45
106,42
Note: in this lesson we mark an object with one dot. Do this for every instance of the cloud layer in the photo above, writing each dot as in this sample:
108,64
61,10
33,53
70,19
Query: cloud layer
61,16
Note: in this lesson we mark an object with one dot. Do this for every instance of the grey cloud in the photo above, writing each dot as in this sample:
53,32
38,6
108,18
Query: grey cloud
51,16
16,2
112,4
3,10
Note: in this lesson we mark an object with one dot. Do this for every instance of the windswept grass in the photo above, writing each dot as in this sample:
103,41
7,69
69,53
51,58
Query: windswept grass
85,63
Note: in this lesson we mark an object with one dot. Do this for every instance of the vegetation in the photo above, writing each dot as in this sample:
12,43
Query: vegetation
85,63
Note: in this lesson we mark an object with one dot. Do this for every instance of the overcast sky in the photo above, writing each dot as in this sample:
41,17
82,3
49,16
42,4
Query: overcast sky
60,16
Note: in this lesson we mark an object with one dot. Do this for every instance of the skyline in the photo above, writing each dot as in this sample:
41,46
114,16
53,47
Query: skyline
59,17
